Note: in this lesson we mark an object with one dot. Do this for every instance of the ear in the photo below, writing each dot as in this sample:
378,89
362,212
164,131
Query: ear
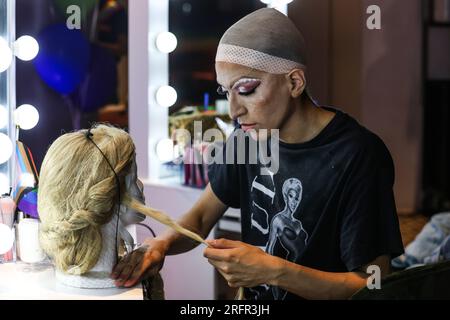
297,82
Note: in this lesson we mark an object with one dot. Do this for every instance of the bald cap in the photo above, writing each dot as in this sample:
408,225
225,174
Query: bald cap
264,40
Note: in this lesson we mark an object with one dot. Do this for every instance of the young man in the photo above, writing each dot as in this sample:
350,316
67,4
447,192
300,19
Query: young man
311,228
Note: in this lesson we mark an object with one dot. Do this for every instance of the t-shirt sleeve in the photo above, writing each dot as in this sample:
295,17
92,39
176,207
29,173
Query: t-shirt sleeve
225,180
370,226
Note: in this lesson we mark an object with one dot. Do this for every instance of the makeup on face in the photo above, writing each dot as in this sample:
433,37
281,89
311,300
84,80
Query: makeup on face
243,86
247,126
246,85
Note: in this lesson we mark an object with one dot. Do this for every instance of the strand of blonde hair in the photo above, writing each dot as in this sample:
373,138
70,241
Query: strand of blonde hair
162,217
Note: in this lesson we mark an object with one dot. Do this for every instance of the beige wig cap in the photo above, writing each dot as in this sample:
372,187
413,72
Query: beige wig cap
264,40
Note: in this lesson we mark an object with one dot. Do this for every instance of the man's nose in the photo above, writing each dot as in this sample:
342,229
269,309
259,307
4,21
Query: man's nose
237,109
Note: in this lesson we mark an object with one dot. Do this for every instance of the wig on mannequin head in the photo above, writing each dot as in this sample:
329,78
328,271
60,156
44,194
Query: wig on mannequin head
78,194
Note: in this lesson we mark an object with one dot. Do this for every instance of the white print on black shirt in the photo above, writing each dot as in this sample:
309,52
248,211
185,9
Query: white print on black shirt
259,215
284,229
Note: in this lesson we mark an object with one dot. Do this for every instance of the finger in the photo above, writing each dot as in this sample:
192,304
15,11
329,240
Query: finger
118,268
216,254
124,275
224,275
138,274
224,243
221,266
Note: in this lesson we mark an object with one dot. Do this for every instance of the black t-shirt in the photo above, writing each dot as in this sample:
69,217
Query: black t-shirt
330,206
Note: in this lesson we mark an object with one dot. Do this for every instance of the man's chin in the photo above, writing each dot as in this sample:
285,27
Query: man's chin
259,134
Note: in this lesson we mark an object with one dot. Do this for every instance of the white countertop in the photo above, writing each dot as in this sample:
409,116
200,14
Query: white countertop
23,281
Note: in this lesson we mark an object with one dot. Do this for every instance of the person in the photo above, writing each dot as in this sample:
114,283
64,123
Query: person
84,181
335,215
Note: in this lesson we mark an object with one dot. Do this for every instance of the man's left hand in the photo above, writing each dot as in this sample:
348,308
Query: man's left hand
241,264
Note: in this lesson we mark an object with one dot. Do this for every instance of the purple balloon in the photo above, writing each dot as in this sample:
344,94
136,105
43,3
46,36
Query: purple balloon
100,82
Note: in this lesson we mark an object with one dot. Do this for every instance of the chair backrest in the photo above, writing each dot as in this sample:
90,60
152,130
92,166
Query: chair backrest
424,282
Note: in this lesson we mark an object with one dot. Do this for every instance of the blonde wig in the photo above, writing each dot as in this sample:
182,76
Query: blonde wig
78,194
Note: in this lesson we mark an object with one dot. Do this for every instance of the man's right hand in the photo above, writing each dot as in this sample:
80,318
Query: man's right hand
143,262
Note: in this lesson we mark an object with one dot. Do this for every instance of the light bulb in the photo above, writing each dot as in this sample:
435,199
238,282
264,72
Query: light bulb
5,55
3,116
276,3
6,148
26,48
6,238
4,183
26,116
166,42
166,96
164,150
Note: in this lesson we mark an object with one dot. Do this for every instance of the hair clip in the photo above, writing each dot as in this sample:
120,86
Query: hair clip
89,134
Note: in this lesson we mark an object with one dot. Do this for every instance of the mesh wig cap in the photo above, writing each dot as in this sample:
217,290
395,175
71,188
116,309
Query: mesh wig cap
264,40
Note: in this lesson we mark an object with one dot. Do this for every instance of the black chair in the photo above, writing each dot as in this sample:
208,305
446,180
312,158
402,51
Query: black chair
429,282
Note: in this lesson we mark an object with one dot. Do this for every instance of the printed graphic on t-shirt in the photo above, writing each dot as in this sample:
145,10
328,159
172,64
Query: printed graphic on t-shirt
263,186
286,236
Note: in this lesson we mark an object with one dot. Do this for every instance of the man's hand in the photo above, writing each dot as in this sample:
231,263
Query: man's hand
143,262
241,264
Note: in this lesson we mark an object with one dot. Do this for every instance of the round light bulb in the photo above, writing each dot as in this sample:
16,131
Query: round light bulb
6,238
6,148
26,48
166,96
164,150
4,183
5,55
26,116
166,42
275,3
3,116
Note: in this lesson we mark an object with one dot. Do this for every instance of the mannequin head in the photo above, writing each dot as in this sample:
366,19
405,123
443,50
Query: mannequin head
78,198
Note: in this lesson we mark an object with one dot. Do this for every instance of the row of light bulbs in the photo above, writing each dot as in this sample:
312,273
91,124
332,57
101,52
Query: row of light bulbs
166,96
25,116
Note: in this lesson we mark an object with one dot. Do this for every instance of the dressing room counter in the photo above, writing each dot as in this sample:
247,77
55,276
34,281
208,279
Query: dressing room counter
22,281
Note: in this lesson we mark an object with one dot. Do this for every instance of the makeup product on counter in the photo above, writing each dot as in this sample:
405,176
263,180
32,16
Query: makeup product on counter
7,208
29,248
